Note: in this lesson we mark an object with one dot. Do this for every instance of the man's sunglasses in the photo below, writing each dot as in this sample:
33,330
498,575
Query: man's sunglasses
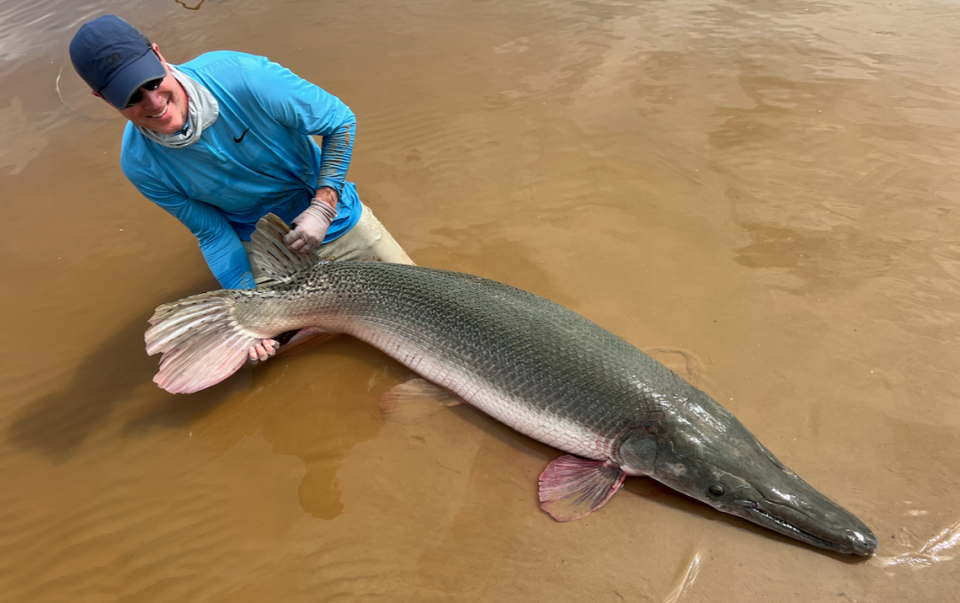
137,95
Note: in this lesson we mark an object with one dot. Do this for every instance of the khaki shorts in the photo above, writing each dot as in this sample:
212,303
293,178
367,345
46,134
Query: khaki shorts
368,241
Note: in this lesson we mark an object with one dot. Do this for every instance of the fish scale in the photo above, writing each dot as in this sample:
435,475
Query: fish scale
508,340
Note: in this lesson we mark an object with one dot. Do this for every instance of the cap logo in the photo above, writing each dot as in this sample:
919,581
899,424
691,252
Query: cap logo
113,59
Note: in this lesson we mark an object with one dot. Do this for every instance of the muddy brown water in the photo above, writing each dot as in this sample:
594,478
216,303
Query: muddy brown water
763,194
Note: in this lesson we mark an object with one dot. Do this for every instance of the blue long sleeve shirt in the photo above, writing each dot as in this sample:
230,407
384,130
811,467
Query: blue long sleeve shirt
257,158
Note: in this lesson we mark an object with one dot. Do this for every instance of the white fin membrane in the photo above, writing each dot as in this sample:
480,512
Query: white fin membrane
272,256
201,342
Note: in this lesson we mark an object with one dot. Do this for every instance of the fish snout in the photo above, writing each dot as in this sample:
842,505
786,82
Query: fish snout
862,542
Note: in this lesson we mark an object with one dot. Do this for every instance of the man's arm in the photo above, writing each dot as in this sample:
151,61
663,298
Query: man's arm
220,245
308,109
337,149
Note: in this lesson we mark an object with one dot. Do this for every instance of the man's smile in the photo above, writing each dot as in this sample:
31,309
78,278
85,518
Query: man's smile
162,111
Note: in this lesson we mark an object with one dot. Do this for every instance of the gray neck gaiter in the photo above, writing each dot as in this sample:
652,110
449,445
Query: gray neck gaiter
202,109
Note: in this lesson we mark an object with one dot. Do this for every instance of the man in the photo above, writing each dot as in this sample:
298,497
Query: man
224,139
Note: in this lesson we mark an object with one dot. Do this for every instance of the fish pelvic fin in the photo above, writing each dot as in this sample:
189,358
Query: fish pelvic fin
416,399
306,339
200,341
276,262
572,487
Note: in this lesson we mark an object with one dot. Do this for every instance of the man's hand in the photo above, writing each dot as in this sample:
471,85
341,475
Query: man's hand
310,227
267,348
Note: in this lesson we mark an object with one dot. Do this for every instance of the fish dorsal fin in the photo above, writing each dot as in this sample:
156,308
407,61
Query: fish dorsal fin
272,256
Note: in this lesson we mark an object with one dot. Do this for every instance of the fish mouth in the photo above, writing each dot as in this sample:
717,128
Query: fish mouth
845,535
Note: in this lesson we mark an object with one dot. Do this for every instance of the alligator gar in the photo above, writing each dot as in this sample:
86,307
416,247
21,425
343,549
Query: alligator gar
532,364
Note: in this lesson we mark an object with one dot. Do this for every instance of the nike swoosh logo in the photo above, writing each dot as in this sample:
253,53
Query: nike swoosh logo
239,140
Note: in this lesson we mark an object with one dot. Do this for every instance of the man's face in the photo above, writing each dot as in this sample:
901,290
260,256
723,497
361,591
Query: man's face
163,110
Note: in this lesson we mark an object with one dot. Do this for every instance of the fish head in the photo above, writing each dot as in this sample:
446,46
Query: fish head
704,452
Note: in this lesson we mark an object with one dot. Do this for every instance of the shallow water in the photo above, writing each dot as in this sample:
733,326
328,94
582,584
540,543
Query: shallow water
760,193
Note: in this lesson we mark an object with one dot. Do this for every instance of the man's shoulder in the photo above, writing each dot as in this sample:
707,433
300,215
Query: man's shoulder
222,61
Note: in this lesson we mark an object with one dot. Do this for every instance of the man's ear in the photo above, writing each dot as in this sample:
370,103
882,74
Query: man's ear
97,94
156,49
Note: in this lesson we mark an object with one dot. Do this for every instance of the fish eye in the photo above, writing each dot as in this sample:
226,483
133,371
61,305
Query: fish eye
715,490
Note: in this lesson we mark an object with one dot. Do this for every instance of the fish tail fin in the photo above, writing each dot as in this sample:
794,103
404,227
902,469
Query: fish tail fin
201,342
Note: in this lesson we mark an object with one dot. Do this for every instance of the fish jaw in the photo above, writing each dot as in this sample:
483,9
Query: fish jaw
834,529
774,498
703,451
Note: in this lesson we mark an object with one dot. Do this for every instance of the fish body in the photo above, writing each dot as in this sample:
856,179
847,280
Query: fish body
541,369
494,346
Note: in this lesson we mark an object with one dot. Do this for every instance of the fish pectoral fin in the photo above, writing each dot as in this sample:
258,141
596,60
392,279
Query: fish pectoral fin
572,487
416,399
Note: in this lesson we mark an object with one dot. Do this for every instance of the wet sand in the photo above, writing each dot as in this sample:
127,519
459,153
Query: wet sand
762,194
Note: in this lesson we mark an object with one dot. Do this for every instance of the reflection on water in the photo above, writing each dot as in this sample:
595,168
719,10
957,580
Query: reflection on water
936,550
686,581
760,193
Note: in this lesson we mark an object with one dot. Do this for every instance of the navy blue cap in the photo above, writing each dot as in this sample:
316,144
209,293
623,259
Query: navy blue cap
114,58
